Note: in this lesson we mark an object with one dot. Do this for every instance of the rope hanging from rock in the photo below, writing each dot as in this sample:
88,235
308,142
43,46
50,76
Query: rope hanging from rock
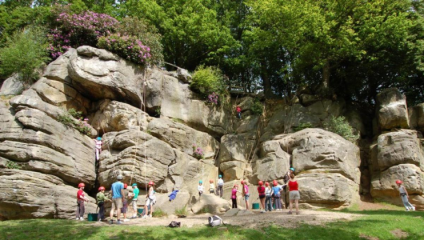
108,147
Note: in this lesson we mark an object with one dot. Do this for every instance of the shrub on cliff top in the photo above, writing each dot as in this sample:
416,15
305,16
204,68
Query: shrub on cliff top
207,80
342,127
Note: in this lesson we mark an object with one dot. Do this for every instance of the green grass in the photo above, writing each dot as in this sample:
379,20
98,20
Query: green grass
373,224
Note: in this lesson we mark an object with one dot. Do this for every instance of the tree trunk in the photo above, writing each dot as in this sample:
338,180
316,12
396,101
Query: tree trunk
266,81
326,75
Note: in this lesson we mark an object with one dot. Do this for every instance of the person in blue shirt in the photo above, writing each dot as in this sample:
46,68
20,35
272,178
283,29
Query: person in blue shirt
276,189
117,201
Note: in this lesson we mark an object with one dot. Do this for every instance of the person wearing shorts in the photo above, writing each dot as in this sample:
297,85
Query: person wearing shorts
261,192
294,193
117,195
150,201
245,192
136,191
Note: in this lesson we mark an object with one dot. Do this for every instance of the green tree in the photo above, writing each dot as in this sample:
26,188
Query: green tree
24,52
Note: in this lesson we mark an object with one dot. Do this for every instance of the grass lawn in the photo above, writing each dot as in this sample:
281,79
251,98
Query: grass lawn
373,225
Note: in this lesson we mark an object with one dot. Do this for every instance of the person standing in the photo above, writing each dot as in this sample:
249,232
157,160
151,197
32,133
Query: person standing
150,201
286,179
80,202
268,194
125,199
136,192
261,192
245,192
234,195
276,193
220,186
211,187
294,193
101,198
404,196
117,201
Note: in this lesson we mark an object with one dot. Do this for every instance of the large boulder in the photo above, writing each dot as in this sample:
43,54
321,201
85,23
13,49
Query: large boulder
12,86
416,117
117,116
318,150
392,111
209,203
183,137
100,74
331,190
234,154
176,101
28,194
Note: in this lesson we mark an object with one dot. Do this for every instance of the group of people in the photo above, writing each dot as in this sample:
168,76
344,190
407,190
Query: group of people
120,197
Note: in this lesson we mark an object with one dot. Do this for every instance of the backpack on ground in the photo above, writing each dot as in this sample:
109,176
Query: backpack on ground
214,221
174,224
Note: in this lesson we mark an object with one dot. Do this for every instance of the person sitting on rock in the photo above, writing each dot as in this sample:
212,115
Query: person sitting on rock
101,198
150,201
211,187
200,188
238,110
245,192
404,196
80,202
98,143
220,187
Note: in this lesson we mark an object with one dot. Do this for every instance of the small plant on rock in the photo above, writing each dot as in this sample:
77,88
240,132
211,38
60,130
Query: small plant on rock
181,212
342,127
12,165
213,98
159,213
302,126
198,152
257,107
68,120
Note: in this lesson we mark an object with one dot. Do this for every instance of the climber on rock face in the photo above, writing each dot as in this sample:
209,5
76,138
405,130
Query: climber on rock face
98,142
80,202
200,188
220,187
238,110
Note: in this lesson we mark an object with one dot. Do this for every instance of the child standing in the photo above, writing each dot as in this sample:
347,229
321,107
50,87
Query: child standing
404,196
136,191
101,198
234,196
238,110
294,193
124,208
80,202
98,143
220,189
150,200
200,188
261,191
268,193
211,187
276,193
245,193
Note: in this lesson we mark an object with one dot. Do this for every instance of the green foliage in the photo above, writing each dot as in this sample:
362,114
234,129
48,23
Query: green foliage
206,209
207,80
12,165
73,119
25,51
159,213
257,107
302,126
157,112
342,127
181,212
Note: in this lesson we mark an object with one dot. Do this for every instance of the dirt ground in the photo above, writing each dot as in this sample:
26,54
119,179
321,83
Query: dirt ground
257,219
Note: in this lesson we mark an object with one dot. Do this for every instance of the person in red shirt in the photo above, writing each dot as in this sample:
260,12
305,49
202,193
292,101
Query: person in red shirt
294,193
238,110
80,202
261,191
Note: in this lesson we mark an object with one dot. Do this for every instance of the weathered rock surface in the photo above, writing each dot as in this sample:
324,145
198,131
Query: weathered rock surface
392,111
11,86
416,117
209,203
114,116
28,194
183,137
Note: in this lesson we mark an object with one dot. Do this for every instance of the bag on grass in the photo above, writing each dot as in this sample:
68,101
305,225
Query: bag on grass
214,221
174,224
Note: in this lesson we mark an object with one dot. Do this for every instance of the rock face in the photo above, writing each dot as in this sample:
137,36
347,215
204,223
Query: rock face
11,86
392,111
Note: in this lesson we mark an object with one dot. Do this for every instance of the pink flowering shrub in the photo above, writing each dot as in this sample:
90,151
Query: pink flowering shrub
129,47
213,98
198,152
74,30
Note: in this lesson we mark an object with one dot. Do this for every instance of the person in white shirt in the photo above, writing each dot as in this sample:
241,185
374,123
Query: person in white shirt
211,187
200,188
220,189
